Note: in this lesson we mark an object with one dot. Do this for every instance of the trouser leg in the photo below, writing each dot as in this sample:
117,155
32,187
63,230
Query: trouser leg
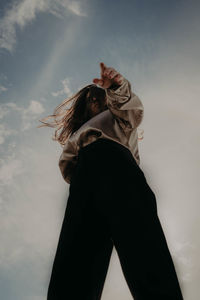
124,198
84,248
139,239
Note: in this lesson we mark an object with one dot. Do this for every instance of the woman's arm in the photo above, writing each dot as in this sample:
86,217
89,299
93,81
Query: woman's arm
121,100
68,159
125,104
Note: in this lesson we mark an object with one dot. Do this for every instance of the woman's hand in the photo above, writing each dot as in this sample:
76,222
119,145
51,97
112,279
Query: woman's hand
109,76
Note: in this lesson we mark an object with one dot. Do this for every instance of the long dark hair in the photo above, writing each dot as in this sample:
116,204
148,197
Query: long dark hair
69,120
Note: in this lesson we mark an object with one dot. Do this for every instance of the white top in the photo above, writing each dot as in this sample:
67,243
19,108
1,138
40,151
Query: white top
118,123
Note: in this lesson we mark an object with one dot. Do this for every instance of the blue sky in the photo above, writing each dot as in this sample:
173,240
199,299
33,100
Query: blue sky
48,50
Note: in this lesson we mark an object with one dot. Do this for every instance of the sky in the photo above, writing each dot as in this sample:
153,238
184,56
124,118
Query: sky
48,51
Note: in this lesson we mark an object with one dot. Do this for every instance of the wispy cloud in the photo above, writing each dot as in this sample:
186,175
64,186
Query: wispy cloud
183,253
30,113
3,89
27,114
19,14
65,90
4,132
25,117
10,169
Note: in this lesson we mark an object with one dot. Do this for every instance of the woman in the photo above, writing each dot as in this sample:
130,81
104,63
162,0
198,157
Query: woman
110,202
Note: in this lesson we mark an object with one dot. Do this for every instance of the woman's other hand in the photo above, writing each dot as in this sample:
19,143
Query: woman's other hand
109,76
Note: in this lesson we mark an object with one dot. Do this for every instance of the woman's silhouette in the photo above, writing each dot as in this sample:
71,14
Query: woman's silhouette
110,202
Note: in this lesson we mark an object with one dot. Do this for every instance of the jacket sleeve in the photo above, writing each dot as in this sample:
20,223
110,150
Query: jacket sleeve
125,105
68,159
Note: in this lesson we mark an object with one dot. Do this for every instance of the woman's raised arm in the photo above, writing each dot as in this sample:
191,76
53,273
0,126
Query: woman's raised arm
125,104
121,100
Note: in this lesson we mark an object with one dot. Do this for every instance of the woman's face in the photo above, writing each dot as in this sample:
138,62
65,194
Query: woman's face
96,106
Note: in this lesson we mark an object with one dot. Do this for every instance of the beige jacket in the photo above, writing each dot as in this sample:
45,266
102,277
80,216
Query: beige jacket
118,123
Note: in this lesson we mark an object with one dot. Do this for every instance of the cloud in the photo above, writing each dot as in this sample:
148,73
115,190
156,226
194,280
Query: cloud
74,7
19,14
64,90
184,254
25,117
3,89
31,113
9,170
3,111
34,108
4,132
60,6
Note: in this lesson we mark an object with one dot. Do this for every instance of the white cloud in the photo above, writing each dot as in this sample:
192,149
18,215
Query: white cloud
35,107
10,169
31,113
13,105
3,111
183,253
64,90
26,116
4,132
3,89
74,6
24,12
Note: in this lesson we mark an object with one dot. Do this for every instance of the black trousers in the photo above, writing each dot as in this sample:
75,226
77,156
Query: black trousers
111,204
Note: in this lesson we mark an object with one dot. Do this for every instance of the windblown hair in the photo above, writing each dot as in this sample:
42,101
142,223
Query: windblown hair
69,120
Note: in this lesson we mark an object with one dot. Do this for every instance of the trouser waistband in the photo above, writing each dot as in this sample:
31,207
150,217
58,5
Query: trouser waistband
103,143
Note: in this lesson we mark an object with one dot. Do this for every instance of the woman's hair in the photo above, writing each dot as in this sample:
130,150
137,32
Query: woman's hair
71,119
